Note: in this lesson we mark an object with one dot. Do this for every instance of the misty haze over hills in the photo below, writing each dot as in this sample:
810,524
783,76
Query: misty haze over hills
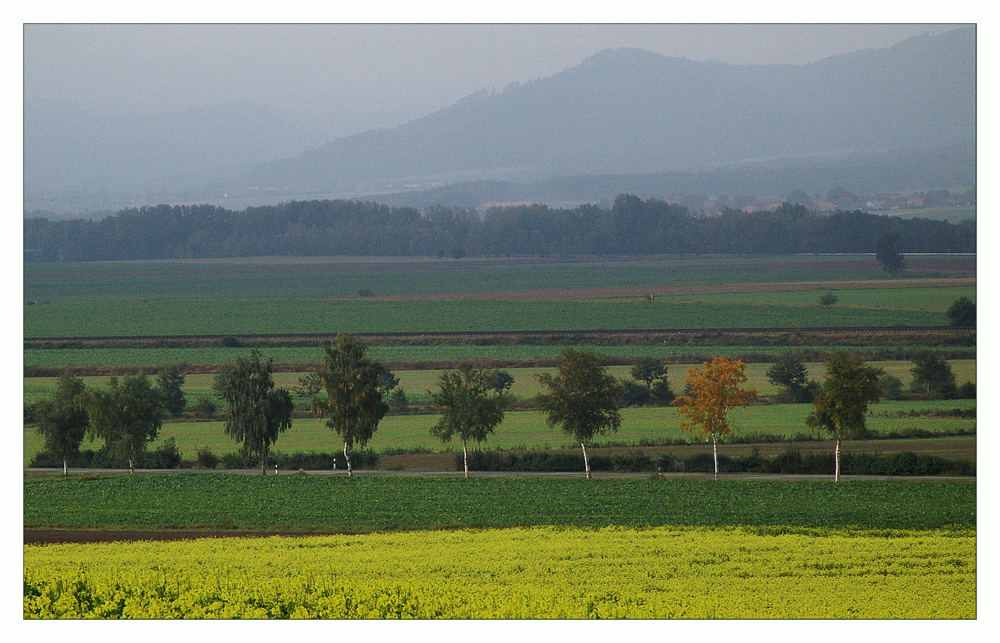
619,112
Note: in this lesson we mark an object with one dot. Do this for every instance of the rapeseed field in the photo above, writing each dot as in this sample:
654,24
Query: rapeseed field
517,573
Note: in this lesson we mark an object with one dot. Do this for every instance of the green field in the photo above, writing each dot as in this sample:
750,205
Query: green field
335,277
318,503
528,430
289,296
917,298
228,316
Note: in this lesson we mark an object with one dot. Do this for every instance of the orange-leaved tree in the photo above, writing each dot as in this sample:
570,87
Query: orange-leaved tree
712,390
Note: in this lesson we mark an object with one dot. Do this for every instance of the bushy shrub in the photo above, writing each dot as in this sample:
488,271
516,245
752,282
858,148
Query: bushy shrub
966,391
496,460
635,393
206,459
165,457
891,387
204,408
794,461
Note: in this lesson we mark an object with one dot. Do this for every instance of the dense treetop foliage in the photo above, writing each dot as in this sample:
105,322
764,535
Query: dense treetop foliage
323,228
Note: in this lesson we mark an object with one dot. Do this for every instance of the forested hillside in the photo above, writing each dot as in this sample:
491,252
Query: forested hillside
630,226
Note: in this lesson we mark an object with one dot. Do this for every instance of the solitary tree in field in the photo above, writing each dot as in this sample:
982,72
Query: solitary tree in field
472,406
169,381
62,420
582,398
355,397
888,255
933,377
256,411
713,390
962,312
652,373
841,403
126,416
790,373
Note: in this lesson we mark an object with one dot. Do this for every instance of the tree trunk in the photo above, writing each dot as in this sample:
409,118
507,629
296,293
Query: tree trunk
131,469
348,458
465,452
263,462
586,462
65,467
836,459
715,457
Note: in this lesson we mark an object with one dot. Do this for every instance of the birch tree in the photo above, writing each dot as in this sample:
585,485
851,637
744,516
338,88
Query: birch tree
841,404
62,419
355,399
472,402
126,416
713,390
582,398
256,411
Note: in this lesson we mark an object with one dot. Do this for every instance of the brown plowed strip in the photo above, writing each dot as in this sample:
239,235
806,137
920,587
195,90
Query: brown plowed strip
52,536
697,289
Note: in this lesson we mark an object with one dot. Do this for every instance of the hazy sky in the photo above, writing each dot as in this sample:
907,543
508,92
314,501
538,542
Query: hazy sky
348,78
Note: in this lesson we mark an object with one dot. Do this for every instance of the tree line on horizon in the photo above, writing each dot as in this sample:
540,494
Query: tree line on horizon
631,226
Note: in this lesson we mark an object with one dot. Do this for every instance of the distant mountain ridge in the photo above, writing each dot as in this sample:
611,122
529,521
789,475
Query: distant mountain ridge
631,111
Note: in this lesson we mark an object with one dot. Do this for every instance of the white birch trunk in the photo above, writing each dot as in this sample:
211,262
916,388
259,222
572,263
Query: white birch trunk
715,457
65,468
350,472
131,469
836,459
465,452
586,462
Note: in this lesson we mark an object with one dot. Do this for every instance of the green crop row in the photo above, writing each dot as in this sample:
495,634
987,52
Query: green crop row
366,504
344,277
182,317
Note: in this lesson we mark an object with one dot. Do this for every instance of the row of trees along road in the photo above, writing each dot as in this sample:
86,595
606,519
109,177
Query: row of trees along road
580,397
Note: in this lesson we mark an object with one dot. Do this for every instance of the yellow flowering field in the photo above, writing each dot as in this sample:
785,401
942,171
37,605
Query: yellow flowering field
539,572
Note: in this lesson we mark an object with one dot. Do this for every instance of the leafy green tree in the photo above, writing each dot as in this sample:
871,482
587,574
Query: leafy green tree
471,405
126,416
888,255
398,401
62,419
842,401
355,400
652,373
890,386
962,312
582,398
169,381
789,373
932,377
501,381
256,411
387,381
